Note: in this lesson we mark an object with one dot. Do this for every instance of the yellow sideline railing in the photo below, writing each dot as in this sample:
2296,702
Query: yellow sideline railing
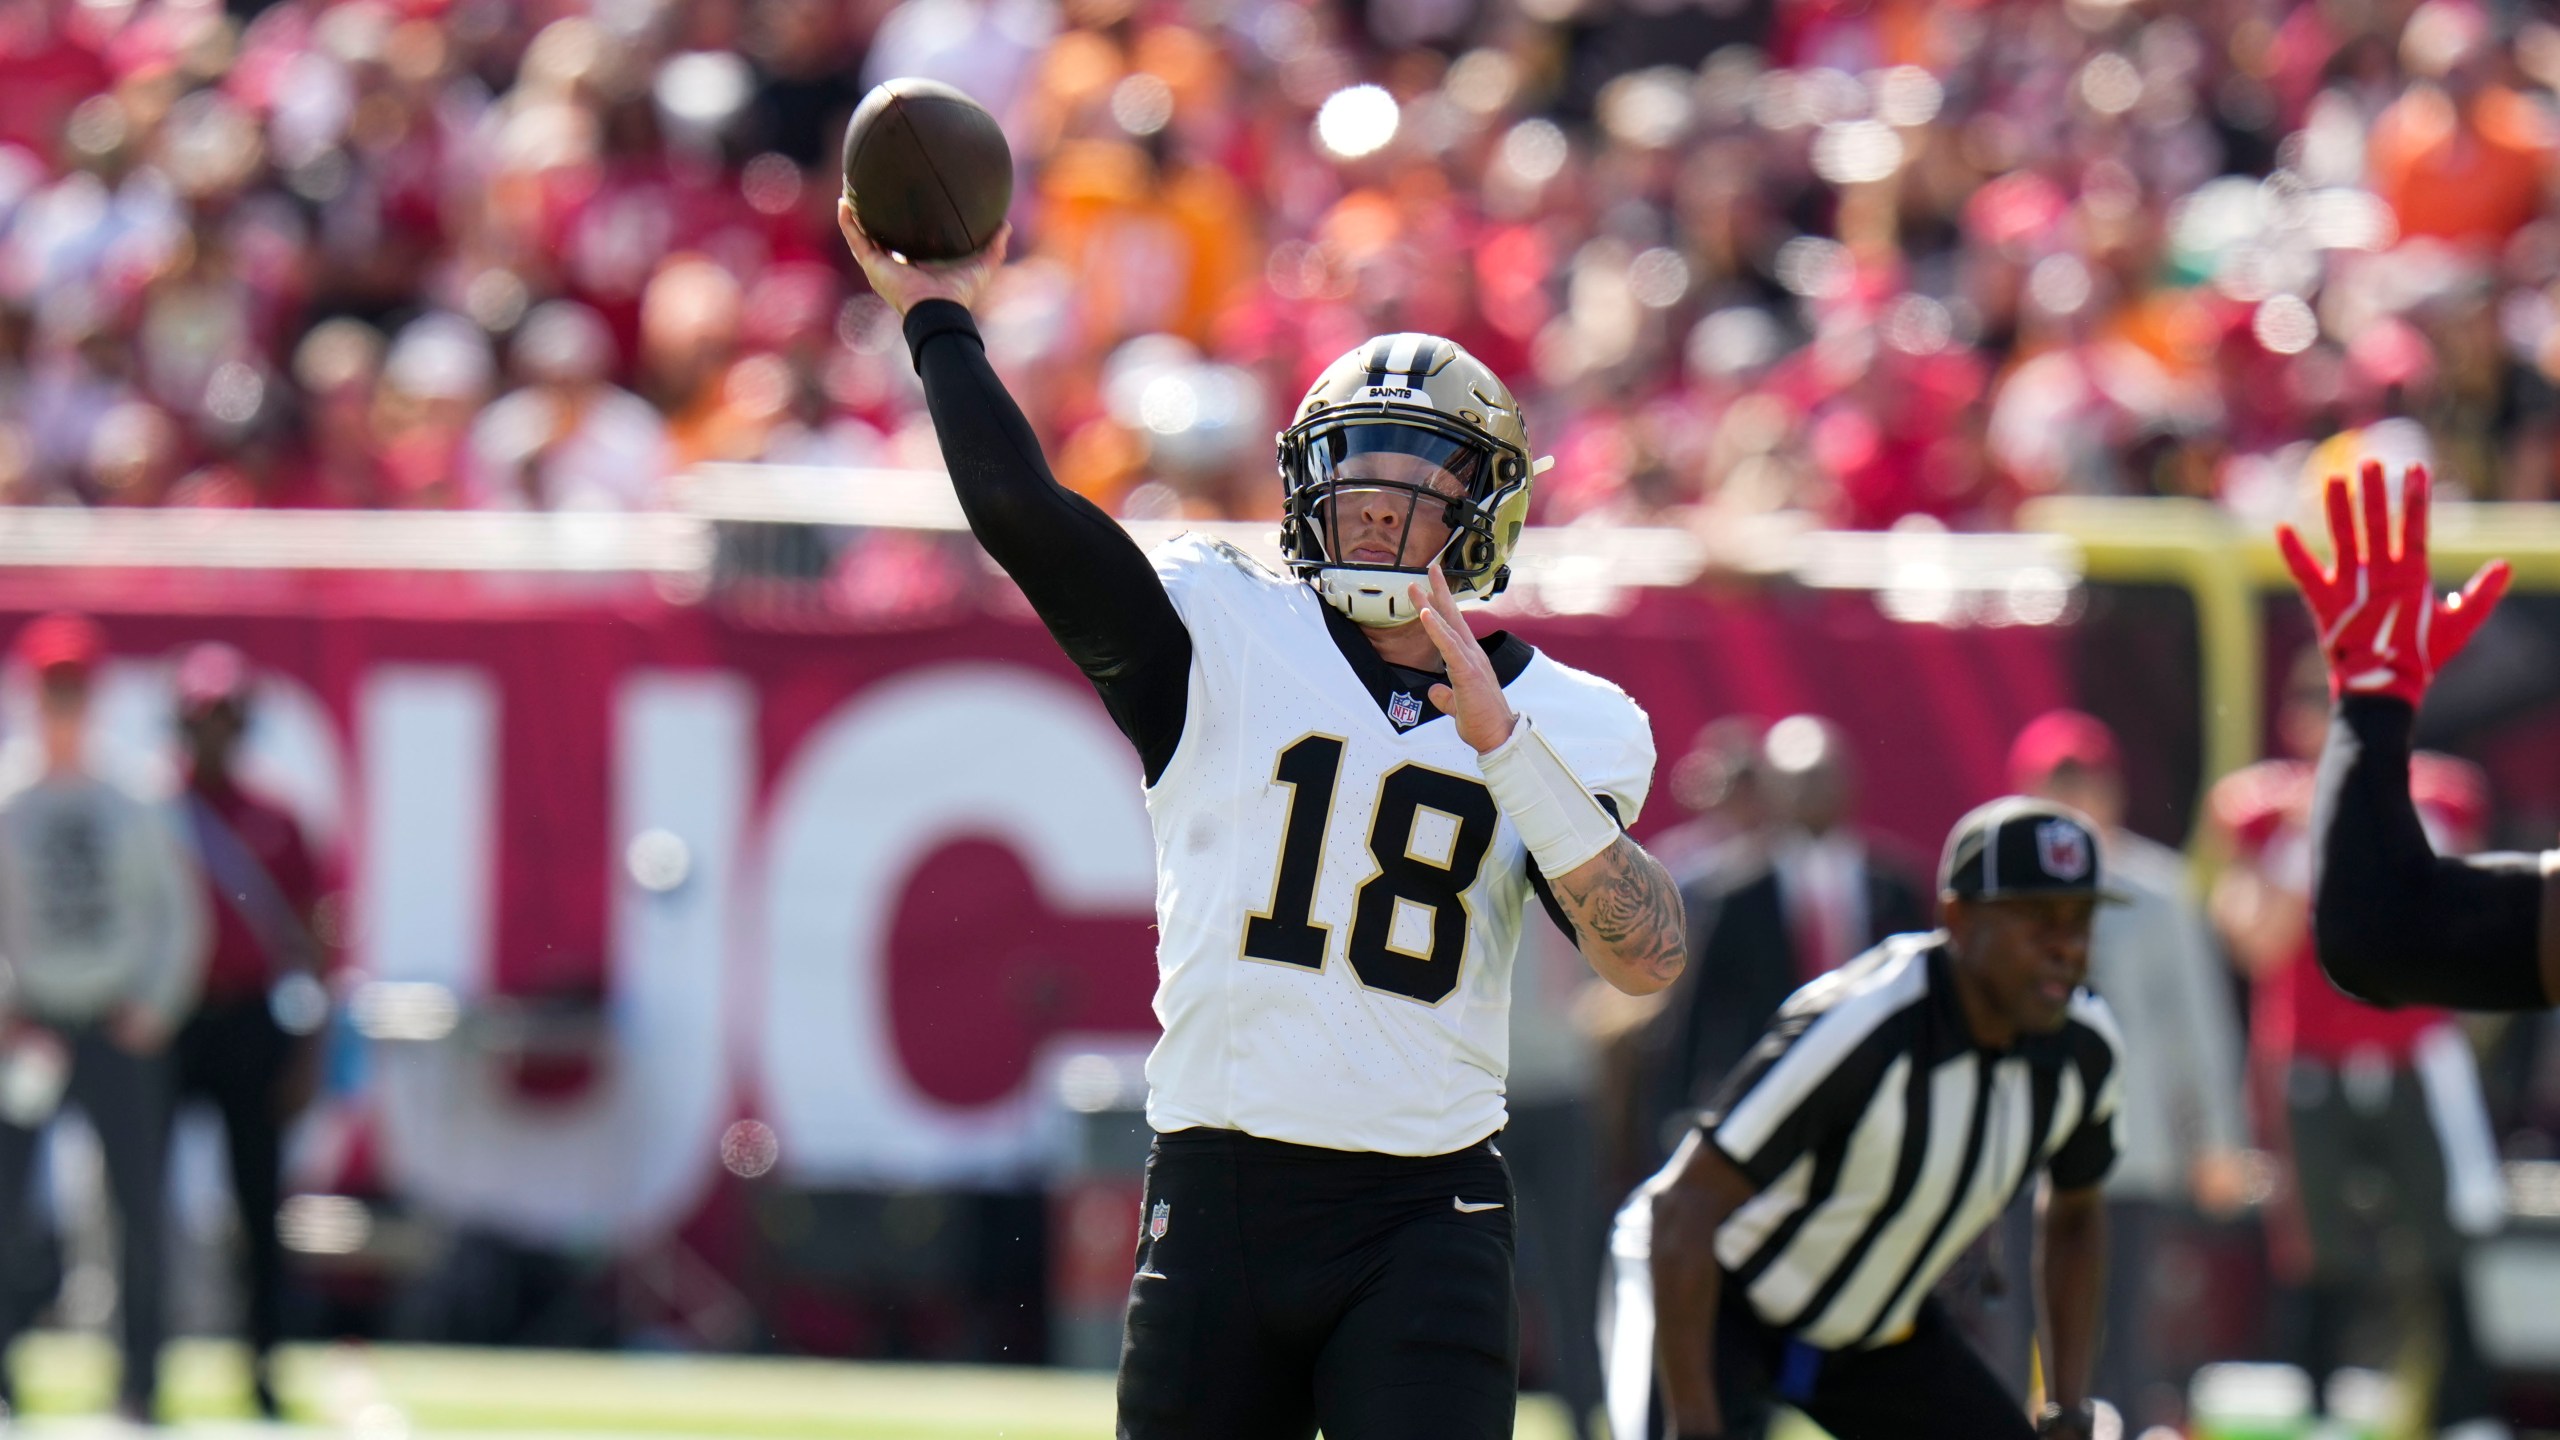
2231,567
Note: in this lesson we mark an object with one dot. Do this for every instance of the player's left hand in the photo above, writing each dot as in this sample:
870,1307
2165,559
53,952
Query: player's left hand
2382,625
1473,695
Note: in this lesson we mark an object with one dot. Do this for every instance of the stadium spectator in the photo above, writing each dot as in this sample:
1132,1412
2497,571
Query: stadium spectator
1814,895
104,931
2375,1114
690,318
568,439
434,380
338,367
1842,894
247,1048
2156,961
1718,784
2457,155
1720,847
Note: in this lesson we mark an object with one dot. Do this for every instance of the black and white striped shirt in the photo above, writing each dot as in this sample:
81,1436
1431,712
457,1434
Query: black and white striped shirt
1882,1139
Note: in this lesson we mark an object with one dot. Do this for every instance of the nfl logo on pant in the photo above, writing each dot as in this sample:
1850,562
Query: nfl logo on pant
1156,1220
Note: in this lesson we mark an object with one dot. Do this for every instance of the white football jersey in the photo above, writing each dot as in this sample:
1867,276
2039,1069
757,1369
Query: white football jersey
1338,897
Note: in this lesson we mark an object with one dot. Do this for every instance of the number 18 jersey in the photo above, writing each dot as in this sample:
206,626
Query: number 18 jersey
1338,898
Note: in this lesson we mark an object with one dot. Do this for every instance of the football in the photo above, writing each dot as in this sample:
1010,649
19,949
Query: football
927,169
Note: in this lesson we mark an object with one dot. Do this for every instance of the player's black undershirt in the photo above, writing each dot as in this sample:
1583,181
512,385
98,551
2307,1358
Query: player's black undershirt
2396,923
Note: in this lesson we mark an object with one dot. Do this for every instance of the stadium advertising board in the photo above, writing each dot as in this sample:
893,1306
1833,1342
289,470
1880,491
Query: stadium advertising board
853,884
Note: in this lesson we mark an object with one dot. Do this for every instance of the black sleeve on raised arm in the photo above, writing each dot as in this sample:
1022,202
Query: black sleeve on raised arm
2396,923
1085,578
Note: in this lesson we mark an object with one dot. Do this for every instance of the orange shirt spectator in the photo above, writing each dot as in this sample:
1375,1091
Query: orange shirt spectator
2470,171
1151,250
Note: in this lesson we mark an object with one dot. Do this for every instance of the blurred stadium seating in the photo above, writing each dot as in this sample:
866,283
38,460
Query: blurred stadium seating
1865,262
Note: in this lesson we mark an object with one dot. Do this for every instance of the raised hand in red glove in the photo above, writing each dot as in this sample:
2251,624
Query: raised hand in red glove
2382,624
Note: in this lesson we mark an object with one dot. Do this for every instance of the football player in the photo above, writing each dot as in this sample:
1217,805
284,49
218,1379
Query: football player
1353,798
2394,922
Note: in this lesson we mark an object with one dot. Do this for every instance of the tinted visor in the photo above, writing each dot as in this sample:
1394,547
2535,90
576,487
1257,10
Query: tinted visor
1338,454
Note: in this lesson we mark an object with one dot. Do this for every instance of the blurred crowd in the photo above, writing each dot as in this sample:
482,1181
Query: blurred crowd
1876,261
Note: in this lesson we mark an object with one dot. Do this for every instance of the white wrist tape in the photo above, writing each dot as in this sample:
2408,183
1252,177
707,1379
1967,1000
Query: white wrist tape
1562,824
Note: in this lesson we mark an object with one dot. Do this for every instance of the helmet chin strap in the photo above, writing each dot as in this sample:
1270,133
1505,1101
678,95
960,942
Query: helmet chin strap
1376,598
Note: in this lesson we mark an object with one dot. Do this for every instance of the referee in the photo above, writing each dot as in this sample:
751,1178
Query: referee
1893,1108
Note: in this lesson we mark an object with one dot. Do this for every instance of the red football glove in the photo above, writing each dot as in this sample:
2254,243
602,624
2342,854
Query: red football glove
2382,625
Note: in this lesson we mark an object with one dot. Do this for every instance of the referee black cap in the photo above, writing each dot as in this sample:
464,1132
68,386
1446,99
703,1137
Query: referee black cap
2020,846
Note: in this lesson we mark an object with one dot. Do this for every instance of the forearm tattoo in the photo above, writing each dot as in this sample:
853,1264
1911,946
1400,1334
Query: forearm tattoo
1624,901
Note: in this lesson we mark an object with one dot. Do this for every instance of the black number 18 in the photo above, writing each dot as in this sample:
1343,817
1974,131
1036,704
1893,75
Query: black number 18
1286,933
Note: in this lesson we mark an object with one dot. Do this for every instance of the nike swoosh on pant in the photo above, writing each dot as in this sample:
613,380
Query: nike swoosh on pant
1480,1206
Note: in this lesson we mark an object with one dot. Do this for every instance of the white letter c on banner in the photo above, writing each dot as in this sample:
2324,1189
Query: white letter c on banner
954,751
631,1157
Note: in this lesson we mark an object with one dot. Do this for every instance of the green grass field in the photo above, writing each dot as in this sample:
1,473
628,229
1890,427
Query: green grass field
411,1392
395,1392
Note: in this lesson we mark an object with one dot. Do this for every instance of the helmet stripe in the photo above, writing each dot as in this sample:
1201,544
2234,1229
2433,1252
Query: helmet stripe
1377,361
1423,357
1400,354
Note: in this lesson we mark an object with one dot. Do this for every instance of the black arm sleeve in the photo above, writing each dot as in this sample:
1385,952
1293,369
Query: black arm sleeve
2396,923
1085,578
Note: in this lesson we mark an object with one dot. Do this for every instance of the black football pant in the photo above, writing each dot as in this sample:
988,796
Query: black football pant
234,1055
1282,1288
1931,1385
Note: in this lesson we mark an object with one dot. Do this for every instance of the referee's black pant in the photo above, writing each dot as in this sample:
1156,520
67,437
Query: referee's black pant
1929,1385
1282,1288
234,1055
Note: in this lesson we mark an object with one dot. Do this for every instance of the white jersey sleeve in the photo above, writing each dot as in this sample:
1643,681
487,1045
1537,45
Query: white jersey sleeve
1338,897
1601,733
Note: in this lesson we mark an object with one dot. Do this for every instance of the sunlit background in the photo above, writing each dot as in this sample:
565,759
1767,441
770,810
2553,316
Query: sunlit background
739,913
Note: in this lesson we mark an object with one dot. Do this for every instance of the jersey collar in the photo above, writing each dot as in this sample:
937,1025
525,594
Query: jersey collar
1401,695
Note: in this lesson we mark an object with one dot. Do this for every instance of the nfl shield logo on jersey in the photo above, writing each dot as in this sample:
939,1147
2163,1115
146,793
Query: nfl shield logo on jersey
2064,849
1403,710
1156,1220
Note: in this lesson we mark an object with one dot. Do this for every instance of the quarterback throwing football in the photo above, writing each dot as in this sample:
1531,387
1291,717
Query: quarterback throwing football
1353,798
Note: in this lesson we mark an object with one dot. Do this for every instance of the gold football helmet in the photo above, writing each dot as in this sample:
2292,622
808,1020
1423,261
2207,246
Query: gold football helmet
1462,445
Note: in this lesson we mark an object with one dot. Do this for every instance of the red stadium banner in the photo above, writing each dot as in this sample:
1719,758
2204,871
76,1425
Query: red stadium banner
856,884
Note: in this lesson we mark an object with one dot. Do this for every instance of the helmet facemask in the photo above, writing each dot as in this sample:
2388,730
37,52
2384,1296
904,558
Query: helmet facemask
1361,487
